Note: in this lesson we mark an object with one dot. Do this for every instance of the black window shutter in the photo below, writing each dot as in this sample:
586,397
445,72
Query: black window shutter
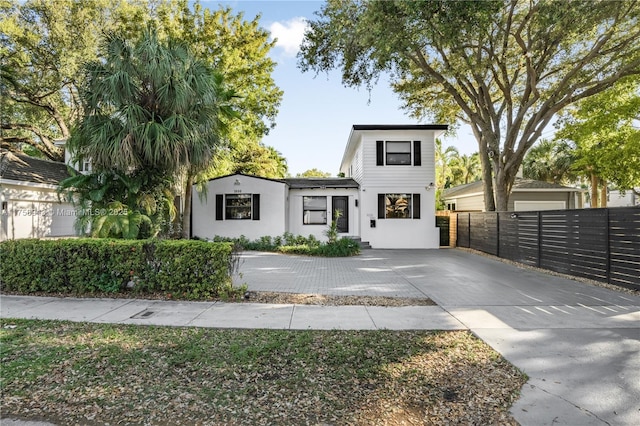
416,206
219,206
381,206
379,153
255,215
417,154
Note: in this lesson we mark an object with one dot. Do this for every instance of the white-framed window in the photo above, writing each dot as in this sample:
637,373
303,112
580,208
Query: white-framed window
399,206
84,166
314,210
238,206
398,153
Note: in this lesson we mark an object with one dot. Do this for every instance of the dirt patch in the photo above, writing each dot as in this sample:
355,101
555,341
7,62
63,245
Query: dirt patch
257,297
332,300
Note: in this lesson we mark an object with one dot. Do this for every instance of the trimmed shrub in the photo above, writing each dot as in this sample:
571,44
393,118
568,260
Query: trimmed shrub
296,244
340,248
194,269
189,269
303,249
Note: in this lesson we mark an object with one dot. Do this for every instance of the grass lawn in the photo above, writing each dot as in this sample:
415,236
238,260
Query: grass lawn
79,373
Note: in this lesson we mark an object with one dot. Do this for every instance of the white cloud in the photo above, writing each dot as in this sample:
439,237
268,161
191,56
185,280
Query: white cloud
289,34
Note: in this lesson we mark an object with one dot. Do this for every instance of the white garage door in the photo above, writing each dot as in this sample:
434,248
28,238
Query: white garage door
524,206
37,219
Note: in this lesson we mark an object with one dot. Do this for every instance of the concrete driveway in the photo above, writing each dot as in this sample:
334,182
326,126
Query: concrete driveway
579,344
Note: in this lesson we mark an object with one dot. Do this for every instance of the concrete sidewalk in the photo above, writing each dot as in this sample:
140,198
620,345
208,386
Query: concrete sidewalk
579,344
228,315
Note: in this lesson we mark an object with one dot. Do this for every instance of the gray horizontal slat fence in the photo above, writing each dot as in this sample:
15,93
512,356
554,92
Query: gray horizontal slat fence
484,235
600,244
555,232
528,230
624,247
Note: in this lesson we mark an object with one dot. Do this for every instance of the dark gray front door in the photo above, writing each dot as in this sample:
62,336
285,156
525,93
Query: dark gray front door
341,204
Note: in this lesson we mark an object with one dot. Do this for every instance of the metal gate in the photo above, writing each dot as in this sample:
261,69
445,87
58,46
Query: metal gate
442,222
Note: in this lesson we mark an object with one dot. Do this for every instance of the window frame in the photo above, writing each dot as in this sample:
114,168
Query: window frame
408,154
305,220
413,205
398,197
84,165
231,211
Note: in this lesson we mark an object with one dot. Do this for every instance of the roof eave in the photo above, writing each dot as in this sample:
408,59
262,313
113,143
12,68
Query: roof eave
29,184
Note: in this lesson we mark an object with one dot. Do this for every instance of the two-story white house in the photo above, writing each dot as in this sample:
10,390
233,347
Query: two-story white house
394,166
387,197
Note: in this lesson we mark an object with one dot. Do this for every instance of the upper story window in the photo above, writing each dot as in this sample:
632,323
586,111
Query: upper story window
314,210
398,153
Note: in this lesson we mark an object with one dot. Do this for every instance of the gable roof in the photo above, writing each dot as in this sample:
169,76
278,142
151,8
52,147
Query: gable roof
520,185
357,129
23,168
249,176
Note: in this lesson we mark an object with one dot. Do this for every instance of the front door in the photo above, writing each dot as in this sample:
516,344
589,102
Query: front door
341,204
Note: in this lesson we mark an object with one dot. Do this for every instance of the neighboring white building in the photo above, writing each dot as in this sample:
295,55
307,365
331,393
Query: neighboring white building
629,199
28,195
387,197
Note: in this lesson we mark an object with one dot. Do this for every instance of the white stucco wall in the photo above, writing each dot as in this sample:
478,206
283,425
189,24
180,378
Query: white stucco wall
34,211
273,212
296,225
629,199
399,233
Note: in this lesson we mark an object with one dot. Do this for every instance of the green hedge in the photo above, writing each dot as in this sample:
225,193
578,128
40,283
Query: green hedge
296,244
186,269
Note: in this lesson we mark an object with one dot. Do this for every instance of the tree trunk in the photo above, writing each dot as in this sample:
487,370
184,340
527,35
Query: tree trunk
186,214
603,194
487,179
594,190
502,194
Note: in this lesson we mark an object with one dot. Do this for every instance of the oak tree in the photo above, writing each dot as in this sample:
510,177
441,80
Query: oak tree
505,67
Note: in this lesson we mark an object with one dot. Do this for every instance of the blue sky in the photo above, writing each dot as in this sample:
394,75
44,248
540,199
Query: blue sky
317,112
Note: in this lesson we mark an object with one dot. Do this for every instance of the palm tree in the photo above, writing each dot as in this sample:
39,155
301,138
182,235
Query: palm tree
444,158
466,169
152,108
550,161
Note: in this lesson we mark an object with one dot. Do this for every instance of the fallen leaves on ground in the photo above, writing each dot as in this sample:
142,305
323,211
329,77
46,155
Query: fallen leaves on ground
323,299
75,373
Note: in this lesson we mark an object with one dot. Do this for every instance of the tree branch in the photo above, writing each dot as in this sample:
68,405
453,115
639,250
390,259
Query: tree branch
45,145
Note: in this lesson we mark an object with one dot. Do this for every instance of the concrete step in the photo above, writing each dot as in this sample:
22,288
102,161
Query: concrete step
363,244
